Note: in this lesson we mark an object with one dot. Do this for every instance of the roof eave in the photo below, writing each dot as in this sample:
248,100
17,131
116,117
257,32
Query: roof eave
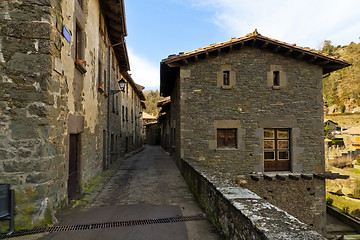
114,14
328,63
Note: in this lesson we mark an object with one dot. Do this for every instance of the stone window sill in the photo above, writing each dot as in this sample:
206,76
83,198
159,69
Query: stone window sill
226,87
276,87
226,149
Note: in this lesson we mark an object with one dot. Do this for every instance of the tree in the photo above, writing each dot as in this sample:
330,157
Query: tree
152,98
328,48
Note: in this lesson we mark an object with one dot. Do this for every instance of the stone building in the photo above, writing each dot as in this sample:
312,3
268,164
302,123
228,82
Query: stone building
60,64
251,109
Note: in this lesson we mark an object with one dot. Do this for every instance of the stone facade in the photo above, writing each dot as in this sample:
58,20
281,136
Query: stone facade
54,93
250,101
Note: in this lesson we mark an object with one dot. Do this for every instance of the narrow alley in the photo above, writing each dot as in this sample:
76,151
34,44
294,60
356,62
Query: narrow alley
147,185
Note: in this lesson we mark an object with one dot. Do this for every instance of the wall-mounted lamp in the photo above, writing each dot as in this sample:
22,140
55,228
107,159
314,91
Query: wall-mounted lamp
122,84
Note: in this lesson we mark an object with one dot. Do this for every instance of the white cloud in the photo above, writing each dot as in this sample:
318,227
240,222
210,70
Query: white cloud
305,22
143,71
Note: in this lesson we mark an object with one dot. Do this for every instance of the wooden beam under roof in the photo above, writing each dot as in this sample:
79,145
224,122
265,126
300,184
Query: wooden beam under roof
300,56
265,45
253,42
322,63
276,49
313,59
288,52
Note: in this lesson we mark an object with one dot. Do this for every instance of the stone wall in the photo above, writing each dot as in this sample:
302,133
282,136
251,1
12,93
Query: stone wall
249,105
238,212
45,98
306,201
297,105
30,146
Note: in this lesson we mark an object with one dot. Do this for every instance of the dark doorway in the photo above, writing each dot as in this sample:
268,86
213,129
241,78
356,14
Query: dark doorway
104,150
74,153
126,144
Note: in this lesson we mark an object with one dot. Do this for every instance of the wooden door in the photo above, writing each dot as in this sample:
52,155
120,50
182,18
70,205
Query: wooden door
73,166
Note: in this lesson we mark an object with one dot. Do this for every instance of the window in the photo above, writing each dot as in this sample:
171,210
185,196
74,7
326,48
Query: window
112,143
226,78
117,105
276,78
127,116
105,81
113,103
123,113
227,138
79,44
100,80
276,149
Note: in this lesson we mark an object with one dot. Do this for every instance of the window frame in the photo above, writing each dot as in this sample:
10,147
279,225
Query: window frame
276,163
226,78
79,43
276,78
226,144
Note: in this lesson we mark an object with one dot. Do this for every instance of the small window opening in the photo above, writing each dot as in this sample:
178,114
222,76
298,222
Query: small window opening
227,138
79,44
276,75
226,78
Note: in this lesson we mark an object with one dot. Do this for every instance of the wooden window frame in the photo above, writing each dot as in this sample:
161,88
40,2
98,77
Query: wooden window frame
79,43
226,78
277,163
226,144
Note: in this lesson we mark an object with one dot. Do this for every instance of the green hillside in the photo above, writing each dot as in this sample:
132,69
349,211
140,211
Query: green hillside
342,87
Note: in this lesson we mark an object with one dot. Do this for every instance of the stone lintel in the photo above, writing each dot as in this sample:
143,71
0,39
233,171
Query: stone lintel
76,124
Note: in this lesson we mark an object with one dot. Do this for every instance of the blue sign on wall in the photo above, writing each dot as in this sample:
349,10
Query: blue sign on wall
66,34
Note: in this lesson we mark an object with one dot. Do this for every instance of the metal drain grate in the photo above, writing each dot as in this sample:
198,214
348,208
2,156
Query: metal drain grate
105,225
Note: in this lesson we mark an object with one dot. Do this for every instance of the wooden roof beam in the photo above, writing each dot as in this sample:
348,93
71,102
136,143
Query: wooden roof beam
239,46
253,42
300,56
288,52
313,59
265,45
322,63
276,49
231,48
174,64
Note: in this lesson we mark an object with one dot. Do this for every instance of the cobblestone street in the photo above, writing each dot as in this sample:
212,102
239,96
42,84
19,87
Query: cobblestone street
147,185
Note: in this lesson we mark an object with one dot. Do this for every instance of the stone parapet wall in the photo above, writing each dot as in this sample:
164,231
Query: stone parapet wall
238,212
306,201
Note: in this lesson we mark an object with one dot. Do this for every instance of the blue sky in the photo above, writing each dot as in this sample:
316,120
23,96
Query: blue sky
158,28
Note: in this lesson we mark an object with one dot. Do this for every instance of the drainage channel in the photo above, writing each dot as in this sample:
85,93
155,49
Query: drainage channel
105,225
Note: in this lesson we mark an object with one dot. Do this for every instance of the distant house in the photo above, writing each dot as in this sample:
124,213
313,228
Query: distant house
148,118
251,109
148,121
352,138
333,126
